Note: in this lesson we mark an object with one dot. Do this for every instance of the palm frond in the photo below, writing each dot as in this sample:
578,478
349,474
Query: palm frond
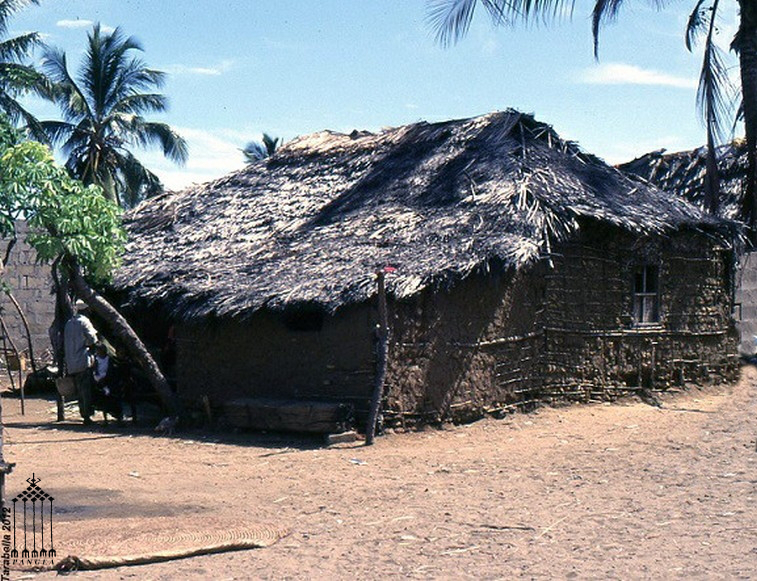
132,77
146,134
270,143
698,23
258,150
714,100
140,103
604,11
18,78
738,117
136,181
8,8
18,114
254,151
450,19
57,132
67,93
18,47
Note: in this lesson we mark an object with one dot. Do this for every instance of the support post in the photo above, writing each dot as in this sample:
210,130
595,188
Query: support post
17,354
382,340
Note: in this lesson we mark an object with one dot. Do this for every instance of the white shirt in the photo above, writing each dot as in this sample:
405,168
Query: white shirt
101,367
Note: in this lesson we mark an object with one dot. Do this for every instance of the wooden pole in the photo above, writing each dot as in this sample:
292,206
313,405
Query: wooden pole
7,340
5,351
382,340
25,323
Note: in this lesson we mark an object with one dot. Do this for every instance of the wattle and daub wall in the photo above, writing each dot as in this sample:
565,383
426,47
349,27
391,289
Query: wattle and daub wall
562,329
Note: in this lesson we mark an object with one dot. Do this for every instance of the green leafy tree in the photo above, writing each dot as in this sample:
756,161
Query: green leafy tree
73,226
257,150
103,110
16,76
451,20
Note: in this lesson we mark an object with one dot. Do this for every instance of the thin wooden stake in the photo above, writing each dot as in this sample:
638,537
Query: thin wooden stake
25,323
7,340
8,367
382,337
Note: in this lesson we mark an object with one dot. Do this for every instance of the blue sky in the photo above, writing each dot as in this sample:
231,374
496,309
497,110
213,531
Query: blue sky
290,67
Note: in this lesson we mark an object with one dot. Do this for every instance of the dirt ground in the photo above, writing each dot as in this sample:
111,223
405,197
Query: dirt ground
589,491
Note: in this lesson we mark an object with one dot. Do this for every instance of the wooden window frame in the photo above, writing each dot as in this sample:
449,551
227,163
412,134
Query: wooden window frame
646,301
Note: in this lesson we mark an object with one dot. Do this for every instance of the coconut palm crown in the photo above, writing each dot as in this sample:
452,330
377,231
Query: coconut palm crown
16,77
103,110
451,20
257,150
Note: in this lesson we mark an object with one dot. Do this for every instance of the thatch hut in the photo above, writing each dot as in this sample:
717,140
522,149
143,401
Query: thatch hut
683,174
526,271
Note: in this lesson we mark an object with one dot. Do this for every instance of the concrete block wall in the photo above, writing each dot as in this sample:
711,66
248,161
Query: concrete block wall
31,284
746,296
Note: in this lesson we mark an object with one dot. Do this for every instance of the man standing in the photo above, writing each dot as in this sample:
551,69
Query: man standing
78,336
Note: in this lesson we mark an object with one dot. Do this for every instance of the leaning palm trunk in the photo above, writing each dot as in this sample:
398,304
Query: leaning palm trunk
745,44
128,337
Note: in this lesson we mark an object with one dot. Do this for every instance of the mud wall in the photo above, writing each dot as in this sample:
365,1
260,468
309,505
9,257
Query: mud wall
264,358
561,329
595,350
466,352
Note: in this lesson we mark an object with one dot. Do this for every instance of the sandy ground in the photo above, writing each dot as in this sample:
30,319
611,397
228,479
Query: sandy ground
595,491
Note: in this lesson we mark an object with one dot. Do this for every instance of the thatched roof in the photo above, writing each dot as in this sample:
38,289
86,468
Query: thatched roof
311,224
683,173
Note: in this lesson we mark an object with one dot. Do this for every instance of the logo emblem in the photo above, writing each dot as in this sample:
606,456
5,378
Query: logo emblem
32,528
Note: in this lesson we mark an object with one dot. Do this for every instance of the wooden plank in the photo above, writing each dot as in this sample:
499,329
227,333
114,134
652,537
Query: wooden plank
343,438
289,415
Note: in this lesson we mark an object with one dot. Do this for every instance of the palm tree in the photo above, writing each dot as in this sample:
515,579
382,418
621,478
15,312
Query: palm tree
17,78
257,150
103,110
451,20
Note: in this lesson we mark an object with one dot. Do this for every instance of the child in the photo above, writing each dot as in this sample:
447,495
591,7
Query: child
105,398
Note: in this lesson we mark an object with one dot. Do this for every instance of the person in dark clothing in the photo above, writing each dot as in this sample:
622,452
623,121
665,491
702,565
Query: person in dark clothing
105,388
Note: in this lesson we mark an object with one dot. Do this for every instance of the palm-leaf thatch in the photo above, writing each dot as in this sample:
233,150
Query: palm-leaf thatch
311,224
684,174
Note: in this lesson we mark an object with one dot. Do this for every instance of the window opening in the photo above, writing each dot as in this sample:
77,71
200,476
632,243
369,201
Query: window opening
646,296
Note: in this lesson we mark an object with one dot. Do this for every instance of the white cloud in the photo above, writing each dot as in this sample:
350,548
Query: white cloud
83,23
78,23
216,70
212,154
625,74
